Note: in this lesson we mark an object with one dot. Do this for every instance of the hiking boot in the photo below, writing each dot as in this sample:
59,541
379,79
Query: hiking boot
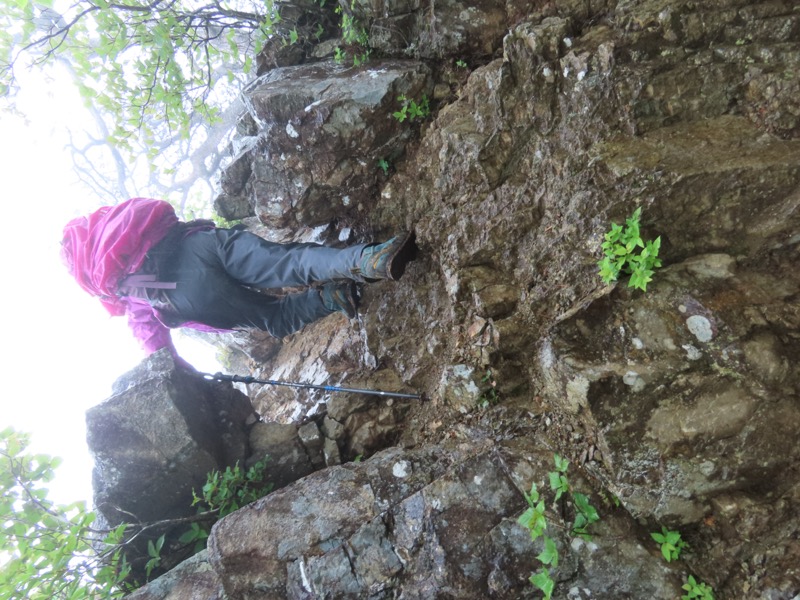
342,297
387,260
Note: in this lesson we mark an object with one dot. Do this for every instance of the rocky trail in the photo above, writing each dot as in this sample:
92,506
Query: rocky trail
678,407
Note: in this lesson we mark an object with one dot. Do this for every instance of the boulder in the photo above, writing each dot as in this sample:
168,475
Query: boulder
323,128
468,30
419,522
193,579
158,436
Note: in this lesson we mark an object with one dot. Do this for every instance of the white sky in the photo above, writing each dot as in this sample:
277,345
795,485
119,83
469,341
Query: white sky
62,350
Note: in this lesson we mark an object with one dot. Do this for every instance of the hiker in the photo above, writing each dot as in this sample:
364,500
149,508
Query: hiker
141,261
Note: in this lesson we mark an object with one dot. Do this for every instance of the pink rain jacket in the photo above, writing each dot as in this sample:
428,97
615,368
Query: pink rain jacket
104,247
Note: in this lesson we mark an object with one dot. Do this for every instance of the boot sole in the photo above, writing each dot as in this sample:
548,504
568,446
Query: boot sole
406,252
354,300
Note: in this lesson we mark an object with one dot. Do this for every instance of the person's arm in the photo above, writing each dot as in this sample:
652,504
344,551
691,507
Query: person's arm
152,334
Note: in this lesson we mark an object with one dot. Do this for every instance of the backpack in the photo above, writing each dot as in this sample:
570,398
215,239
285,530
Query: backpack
102,248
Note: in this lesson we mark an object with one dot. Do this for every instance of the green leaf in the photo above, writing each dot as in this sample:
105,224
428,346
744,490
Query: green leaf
658,538
549,556
666,551
533,518
189,535
561,463
673,537
587,509
620,247
544,582
558,483
655,245
532,497
526,518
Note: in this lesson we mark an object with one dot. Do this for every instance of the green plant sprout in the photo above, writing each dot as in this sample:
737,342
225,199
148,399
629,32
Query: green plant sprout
355,38
544,581
586,515
620,249
154,552
352,32
196,535
696,590
383,165
460,63
671,543
533,519
223,493
558,480
489,396
360,59
412,110
228,490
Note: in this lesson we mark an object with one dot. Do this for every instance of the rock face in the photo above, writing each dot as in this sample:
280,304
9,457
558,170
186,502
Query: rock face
419,522
682,403
160,433
322,128
468,30
155,441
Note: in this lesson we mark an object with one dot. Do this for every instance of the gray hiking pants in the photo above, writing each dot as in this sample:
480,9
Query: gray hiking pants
216,270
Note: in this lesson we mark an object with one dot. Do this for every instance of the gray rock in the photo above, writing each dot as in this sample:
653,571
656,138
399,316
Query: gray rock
164,429
323,128
471,29
193,579
453,529
286,457
312,441
330,450
157,438
460,386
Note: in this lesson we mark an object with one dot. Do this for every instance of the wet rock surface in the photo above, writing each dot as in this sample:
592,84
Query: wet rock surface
155,441
322,128
420,524
682,402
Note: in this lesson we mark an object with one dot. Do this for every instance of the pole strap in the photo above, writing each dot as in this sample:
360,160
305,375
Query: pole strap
248,379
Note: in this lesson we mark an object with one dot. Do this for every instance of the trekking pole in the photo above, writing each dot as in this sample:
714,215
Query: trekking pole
310,386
